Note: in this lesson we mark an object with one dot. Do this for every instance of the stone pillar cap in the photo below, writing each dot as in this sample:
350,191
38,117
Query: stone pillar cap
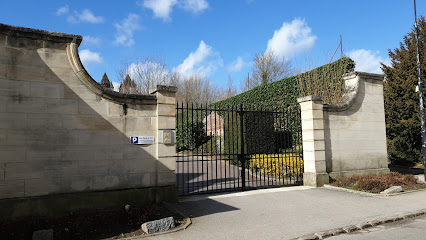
164,88
309,98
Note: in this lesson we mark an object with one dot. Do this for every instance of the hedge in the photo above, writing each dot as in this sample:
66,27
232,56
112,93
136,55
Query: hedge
279,131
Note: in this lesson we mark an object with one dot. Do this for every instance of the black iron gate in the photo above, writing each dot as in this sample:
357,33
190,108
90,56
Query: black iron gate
229,149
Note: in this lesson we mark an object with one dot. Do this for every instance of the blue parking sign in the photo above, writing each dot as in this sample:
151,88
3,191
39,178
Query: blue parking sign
142,140
134,140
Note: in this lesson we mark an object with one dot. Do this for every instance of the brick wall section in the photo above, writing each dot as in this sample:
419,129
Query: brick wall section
61,132
346,139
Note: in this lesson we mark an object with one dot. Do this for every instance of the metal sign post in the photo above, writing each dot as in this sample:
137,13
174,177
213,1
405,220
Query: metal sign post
422,113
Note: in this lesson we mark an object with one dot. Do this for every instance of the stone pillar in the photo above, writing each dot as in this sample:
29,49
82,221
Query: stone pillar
166,125
314,161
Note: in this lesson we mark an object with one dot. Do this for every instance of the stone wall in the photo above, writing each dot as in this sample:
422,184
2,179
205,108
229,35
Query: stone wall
62,132
346,139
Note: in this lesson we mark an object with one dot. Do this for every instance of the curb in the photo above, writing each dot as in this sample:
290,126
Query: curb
361,226
371,194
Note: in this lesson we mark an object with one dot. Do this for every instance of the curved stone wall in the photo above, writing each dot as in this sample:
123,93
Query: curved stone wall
62,132
345,139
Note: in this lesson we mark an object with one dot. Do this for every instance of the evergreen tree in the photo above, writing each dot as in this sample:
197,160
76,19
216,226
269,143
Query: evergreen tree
106,82
128,86
403,128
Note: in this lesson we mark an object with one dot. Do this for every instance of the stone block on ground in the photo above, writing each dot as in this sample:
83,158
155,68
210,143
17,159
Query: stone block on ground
394,189
160,225
46,234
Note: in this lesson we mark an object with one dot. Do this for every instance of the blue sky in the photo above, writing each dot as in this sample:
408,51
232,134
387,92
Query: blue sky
219,38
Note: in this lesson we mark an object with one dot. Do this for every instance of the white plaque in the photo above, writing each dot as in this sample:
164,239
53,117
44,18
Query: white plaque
142,140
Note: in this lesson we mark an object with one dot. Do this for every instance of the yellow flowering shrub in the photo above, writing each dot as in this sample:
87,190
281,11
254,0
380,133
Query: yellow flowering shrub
278,164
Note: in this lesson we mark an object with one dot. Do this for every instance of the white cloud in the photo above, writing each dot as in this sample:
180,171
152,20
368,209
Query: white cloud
72,19
160,8
62,10
116,86
367,60
85,16
88,57
153,70
292,38
125,29
163,8
203,61
93,41
236,65
195,6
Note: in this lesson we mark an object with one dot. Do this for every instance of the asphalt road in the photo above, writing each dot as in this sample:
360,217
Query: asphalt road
286,213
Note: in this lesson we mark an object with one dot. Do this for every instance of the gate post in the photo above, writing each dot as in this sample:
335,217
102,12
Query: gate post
165,145
314,161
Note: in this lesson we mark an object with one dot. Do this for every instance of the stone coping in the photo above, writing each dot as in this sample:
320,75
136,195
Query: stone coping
164,88
37,34
84,76
372,76
309,98
73,42
350,93
349,96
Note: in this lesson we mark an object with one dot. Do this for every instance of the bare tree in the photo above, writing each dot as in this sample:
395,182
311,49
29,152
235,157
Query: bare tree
247,83
195,89
146,73
123,70
150,72
269,67
142,77
228,91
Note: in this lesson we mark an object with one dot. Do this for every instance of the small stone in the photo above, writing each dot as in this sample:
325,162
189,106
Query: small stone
391,190
324,234
160,225
410,215
309,237
389,220
337,231
351,228
375,222
364,225
419,213
43,234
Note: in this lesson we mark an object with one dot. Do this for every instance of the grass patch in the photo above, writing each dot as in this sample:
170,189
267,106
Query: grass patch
90,224
378,183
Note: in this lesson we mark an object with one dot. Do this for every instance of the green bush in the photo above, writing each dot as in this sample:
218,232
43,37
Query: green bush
283,94
276,132
190,137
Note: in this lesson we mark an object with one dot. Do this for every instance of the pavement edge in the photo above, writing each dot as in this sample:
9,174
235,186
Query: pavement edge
361,226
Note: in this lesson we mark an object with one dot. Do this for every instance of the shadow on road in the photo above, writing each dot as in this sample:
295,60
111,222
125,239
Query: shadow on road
203,207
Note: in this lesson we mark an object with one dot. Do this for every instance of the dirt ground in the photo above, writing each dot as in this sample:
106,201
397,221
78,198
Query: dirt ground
90,224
